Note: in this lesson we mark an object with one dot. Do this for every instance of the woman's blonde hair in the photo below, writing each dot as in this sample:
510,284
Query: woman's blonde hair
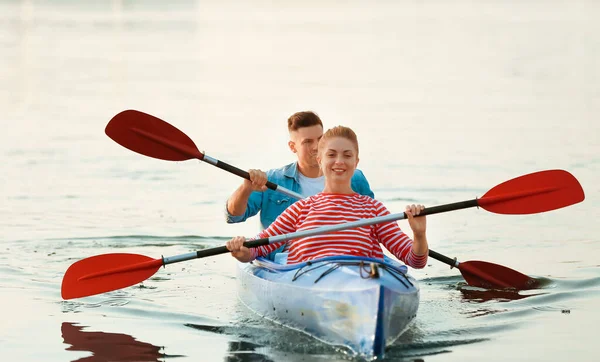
339,131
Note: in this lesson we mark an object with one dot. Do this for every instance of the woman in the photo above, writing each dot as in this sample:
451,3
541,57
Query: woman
338,203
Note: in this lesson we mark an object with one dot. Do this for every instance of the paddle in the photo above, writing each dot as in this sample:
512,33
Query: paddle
151,136
532,193
523,195
488,275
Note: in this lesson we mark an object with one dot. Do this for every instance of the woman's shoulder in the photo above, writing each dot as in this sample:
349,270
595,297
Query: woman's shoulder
370,202
365,198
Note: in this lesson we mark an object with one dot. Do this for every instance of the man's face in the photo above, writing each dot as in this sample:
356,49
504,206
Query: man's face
304,143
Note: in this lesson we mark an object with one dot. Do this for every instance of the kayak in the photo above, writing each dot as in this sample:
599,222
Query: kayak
360,303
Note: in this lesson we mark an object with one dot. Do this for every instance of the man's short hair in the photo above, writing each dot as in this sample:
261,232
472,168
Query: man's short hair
303,119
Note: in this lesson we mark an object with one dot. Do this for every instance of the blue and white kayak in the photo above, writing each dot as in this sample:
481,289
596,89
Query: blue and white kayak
361,303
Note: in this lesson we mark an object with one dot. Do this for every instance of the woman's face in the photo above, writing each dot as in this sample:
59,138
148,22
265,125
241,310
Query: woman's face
338,159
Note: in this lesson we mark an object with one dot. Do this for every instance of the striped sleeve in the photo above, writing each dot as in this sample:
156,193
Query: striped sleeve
396,241
416,261
284,224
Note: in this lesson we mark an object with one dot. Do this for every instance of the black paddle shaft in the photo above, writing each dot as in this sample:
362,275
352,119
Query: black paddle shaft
223,249
236,171
443,258
449,207
443,208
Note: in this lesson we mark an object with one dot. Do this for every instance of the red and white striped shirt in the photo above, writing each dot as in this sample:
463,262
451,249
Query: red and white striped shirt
325,209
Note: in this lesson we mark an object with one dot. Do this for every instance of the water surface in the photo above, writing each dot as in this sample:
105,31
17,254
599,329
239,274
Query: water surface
449,98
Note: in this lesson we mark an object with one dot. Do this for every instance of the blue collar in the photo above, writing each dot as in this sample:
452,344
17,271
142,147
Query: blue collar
291,171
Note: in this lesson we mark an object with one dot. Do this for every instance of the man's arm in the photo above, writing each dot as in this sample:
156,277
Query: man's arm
244,202
251,207
238,201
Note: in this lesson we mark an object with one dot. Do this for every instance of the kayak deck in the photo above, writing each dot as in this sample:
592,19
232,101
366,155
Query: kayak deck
360,303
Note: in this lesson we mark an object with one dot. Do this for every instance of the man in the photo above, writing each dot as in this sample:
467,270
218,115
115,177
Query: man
303,176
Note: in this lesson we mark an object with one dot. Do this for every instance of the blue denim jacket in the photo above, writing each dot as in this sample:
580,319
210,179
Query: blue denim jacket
271,203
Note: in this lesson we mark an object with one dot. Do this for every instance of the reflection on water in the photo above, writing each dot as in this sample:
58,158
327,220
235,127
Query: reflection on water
495,296
418,342
110,346
270,342
481,295
240,351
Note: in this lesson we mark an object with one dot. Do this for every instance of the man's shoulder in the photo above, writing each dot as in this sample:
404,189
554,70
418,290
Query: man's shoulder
360,184
358,175
281,171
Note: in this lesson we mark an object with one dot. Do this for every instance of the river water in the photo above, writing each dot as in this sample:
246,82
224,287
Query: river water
448,98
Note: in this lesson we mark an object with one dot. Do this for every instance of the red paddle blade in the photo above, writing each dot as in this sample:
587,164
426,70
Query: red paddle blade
107,272
533,193
493,276
151,136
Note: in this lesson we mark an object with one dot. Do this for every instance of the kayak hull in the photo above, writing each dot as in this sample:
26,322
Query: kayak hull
337,300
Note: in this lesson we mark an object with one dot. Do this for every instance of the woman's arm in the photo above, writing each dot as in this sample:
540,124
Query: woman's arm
412,252
284,224
419,227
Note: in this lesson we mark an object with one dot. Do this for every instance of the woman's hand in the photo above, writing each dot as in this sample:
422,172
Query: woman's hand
238,250
417,224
